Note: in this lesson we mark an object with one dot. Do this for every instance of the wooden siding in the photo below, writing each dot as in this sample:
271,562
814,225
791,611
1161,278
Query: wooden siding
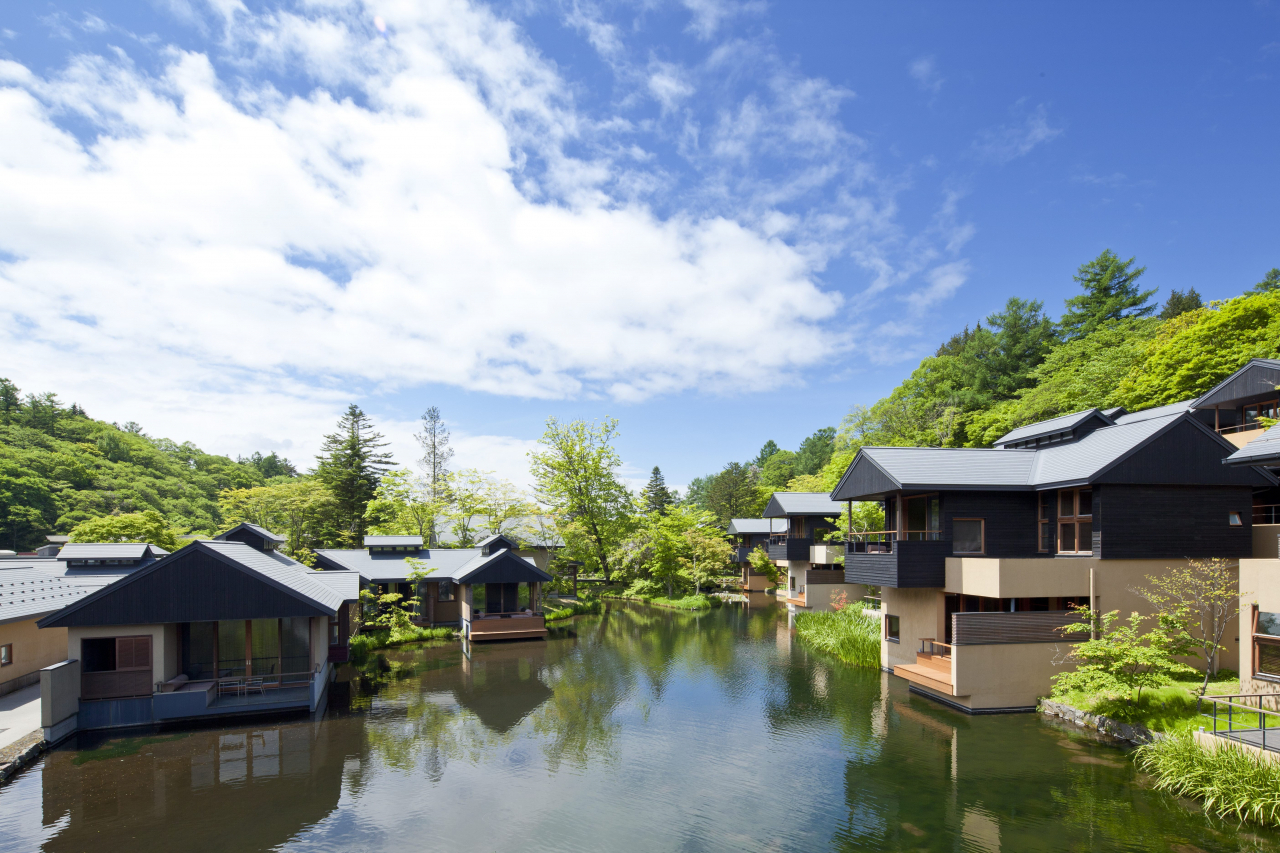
986,629
792,549
1171,522
508,569
1256,380
824,576
1183,456
1009,520
247,537
862,480
912,565
194,587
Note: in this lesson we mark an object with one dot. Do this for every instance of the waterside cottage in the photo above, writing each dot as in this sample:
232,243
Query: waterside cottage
811,575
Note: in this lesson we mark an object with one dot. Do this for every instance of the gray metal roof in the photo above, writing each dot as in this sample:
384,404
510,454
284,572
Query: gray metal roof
1057,465
345,584
392,541
1062,423
109,551
480,562
954,466
1157,412
276,568
743,526
395,568
260,531
802,503
27,592
1263,450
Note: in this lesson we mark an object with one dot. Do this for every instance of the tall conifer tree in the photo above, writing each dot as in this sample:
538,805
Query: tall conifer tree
351,464
1110,293
657,497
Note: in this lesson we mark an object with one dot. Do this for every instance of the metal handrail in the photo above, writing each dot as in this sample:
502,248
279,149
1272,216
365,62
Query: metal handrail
1259,713
1266,514
933,645
1252,425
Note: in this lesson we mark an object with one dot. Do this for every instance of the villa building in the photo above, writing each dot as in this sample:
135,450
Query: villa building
1260,576
986,549
490,591
814,579
33,587
748,534
218,628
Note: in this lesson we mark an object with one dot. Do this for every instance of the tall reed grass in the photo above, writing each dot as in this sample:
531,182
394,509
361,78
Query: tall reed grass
848,634
554,612
1232,781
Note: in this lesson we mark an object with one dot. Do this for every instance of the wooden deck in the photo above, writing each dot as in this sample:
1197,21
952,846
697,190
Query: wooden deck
931,671
512,628
798,602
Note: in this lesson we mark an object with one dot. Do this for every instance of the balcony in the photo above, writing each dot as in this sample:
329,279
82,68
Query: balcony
992,577
1027,626
507,626
786,548
932,668
740,554
827,554
914,561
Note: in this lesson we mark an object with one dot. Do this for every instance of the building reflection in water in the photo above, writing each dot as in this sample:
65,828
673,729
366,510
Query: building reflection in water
244,790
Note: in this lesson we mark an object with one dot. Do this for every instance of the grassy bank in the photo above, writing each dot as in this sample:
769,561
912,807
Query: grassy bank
847,634
363,643
688,602
1169,709
1231,781
554,610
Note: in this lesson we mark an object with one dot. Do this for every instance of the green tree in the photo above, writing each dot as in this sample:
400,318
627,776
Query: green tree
269,466
657,497
1110,293
10,402
1119,658
759,561
467,502
433,437
147,526
765,454
576,475
302,510
733,494
1022,335
27,505
1269,284
1180,303
779,470
350,465
815,451
403,504
706,552
696,494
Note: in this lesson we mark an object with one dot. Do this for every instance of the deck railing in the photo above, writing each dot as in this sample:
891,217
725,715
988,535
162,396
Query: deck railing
930,646
1266,514
1234,718
1252,425
881,541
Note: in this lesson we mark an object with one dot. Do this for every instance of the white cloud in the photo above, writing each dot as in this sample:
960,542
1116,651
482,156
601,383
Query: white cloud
1009,142
668,84
708,15
943,281
925,72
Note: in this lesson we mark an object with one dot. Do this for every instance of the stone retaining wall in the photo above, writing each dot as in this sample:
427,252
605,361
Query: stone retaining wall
18,755
1137,734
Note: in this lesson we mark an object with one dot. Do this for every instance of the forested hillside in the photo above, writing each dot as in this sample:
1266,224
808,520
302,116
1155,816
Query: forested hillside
1112,346
59,467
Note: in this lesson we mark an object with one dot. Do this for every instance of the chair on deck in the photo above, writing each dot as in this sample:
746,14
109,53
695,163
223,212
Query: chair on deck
230,686
254,684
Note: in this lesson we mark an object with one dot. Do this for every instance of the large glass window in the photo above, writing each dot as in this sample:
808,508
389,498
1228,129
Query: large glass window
1046,521
1075,521
264,643
231,649
892,629
444,592
968,536
924,517
198,650
1268,623
295,645
1268,658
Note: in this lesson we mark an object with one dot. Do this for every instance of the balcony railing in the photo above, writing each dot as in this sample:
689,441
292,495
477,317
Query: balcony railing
1227,430
881,541
994,628
1266,514
1241,717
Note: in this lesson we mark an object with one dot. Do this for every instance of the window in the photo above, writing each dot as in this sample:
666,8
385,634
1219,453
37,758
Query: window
1046,522
793,583
1268,623
924,518
1075,521
6,654
967,535
445,591
1234,519
1268,658
891,629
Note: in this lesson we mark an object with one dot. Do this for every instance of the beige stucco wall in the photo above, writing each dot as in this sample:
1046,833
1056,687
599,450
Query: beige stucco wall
164,644
1260,585
33,649
920,614
1018,578
1013,675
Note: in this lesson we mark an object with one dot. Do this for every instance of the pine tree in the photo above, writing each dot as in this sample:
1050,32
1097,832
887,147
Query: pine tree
1270,282
1180,303
770,448
351,465
436,455
1110,293
657,497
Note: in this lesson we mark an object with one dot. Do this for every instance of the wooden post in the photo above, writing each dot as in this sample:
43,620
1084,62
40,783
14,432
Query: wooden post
248,648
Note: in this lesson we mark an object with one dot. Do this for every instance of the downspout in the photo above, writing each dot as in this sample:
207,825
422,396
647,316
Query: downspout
1093,633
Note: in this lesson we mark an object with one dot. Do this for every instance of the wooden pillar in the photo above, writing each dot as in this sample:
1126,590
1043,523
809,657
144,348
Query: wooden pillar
534,593
248,648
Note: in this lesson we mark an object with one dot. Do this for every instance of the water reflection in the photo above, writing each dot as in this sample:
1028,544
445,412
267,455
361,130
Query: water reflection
636,729
251,789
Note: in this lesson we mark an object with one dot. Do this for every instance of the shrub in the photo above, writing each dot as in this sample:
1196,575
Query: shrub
1231,781
848,634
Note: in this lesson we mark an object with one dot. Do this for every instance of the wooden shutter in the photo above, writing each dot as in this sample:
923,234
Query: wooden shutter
133,653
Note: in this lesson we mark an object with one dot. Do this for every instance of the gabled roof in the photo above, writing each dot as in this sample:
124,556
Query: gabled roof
801,503
1063,423
876,470
502,566
1157,412
253,528
1260,376
392,541
272,569
744,526
345,584
394,568
109,551
29,591
1263,450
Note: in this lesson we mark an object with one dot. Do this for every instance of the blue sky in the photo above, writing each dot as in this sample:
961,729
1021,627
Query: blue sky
720,222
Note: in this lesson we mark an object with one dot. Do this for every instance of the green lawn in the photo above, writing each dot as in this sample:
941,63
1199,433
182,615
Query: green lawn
1171,708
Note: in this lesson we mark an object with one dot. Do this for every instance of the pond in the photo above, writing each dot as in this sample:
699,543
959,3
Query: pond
638,729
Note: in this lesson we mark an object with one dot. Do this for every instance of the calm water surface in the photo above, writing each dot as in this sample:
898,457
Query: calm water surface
639,729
